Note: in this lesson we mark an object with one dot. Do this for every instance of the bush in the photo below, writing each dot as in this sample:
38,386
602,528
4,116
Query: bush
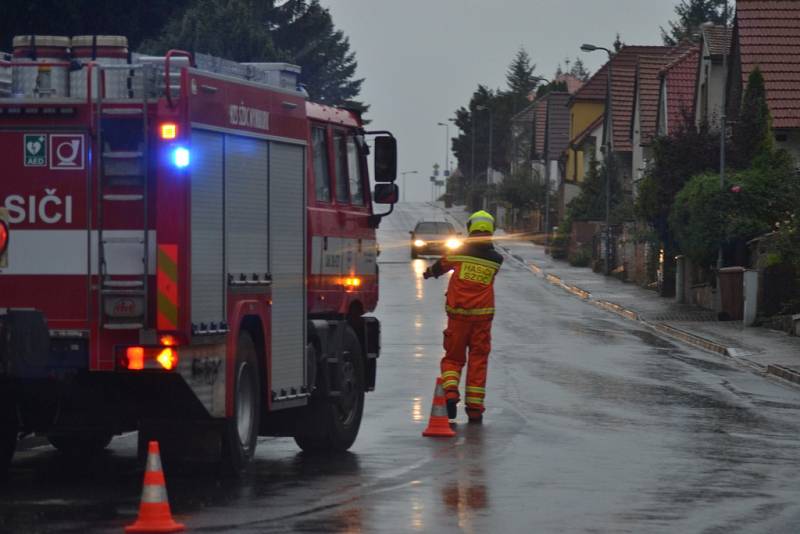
581,258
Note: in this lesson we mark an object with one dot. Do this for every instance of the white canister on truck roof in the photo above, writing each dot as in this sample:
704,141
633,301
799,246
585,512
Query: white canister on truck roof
103,50
41,66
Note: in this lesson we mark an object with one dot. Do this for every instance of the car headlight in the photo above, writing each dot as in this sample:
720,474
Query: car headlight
453,243
419,243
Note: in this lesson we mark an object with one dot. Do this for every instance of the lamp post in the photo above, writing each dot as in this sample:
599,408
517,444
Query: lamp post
403,174
446,149
489,159
722,127
608,144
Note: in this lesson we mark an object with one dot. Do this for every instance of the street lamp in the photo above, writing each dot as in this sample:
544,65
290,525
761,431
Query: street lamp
489,159
403,174
446,148
608,143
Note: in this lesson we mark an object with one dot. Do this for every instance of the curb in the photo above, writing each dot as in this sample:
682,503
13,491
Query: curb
691,339
785,373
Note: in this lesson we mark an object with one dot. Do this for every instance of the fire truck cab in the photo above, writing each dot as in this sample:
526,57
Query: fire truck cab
187,249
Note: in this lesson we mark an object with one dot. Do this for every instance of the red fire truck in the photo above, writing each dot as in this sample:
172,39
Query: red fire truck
187,249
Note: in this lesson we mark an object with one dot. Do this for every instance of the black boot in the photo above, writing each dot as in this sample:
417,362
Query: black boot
452,408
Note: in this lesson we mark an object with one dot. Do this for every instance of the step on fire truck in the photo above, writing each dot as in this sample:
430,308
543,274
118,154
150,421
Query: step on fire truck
187,249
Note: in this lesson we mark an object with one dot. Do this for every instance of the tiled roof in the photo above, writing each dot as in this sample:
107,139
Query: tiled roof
768,35
559,124
649,68
623,83
717,38
594,88
540,126
680,80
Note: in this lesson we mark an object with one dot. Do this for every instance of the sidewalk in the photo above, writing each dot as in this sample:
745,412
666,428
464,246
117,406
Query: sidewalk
763,350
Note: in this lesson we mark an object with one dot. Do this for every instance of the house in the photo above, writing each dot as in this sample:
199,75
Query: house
676,92
647,85
585,108
540,135
715,42
766,34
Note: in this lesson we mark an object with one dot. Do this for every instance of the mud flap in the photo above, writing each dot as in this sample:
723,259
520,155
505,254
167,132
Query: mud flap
24,343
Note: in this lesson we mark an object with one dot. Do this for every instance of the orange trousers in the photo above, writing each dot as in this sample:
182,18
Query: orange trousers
460,336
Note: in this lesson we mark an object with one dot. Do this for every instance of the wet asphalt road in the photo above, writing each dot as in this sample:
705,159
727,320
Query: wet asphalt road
593,424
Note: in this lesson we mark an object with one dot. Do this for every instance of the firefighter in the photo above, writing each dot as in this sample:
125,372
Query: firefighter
470,309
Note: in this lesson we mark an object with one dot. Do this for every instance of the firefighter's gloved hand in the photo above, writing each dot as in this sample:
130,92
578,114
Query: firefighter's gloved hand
427,274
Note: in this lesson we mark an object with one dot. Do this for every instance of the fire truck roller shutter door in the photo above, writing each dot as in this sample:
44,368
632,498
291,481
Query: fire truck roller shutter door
246,197
207,247
287,227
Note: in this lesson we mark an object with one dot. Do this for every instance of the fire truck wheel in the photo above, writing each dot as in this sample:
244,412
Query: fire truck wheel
242,429
333,422
80,444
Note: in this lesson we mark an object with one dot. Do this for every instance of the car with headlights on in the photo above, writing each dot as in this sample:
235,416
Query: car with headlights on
434,238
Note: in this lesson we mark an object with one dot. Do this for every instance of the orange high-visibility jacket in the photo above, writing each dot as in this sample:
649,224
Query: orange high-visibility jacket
470,294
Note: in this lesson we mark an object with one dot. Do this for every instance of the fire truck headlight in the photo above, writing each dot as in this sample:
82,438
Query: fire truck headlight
181,157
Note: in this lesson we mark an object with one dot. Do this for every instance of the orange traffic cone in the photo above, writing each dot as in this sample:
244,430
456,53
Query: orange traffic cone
438,425
154,512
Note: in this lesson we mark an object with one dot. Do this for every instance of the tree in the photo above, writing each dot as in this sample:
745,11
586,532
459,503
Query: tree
579,70
296,31
522,191
753,202
752,134
232,29
136,19
590,204
691,15
520,79
306,35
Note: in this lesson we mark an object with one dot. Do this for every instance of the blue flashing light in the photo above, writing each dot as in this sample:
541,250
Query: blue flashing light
181,157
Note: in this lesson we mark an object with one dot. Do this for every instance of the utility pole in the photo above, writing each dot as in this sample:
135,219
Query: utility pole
723,120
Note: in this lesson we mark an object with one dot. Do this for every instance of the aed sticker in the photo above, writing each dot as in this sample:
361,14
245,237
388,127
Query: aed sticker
35,150
476,273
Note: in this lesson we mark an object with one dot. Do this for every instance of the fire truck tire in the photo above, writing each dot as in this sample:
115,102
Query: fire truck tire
80,444
241,430
333,422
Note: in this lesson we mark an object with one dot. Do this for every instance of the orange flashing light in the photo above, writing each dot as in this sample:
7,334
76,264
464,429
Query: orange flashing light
169,130
168,341
168,358
135,357
351,282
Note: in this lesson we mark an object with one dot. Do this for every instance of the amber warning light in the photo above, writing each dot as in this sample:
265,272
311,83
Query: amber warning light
169,130
156,358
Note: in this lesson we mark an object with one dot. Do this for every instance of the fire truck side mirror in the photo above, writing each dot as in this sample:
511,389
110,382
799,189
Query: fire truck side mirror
386,194
385,159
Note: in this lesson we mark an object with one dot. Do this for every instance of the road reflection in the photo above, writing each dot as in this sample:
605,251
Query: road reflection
467,494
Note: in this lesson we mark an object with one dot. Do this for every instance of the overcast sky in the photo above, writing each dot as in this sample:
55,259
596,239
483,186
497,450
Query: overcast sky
422,59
